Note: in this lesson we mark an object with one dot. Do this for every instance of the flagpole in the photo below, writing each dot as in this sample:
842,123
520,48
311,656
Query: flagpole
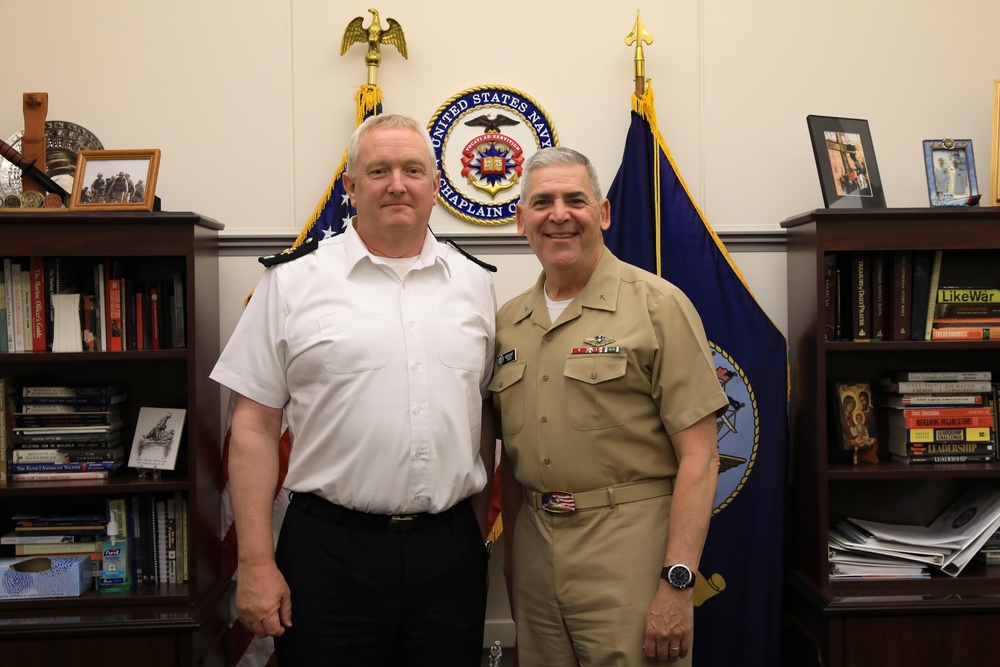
639,35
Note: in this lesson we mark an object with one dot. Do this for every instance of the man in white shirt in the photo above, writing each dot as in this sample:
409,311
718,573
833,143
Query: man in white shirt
377,345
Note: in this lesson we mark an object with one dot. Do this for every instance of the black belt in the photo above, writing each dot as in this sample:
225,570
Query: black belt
322,508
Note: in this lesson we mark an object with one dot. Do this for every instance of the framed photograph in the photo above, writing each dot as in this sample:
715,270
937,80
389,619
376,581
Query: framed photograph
157,438
995,173
951,172
856,419
845,160
115,180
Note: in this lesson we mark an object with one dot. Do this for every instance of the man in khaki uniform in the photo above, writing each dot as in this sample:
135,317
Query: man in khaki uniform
608,400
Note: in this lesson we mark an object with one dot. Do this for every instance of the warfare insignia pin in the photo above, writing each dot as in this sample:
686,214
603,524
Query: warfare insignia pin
599,340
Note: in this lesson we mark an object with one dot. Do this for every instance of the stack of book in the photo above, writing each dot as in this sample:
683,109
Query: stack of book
940,417
63,433
51,535
966,313
948,543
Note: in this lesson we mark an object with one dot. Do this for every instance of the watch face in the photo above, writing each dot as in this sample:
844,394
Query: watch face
679,576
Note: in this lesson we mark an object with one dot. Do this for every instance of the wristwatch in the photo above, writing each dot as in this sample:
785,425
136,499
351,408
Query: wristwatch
678,576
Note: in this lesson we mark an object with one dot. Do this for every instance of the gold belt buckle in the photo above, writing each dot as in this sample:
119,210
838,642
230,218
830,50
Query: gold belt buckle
401,523
558,502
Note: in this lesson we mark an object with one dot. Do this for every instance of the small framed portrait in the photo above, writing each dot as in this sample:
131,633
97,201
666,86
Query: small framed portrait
845,160
995,175
854,404
157,438
115,180
951,172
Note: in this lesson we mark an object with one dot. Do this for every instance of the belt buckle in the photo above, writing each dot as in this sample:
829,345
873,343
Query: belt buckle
558,502
401,523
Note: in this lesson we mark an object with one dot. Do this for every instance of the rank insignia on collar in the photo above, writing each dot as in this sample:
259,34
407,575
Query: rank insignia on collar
599,340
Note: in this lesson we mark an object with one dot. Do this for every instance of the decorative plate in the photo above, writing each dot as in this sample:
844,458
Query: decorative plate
63,141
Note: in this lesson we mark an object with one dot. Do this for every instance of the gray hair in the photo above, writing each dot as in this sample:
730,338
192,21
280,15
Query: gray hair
385,120
554,157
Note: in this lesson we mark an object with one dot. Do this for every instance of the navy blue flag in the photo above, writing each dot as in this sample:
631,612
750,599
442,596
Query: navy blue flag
334,211
656,225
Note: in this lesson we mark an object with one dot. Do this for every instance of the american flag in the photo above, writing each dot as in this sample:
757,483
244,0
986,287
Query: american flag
330,218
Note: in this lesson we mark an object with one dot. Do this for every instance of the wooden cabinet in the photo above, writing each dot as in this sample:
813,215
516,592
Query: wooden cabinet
942,620
163,624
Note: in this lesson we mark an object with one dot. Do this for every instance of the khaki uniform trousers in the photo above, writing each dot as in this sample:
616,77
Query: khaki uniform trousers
583,583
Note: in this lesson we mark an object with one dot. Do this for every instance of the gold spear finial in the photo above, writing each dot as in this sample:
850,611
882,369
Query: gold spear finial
373,35
639,35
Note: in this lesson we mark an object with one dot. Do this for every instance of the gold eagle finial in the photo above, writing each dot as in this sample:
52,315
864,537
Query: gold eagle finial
637,37
373,35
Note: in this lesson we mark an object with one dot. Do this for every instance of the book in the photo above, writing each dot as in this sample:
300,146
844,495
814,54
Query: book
16,296
178,321
39,313
966,310
60,476
101,403
901,301
941,376
97,430
922,261
50,549
115,314
934,387
968,295
100,306
897,418
98,406
88,323
937,435
8,291
928,400
859,283
50,419
900,445
829,296
67,335
932,292
68,441
966,333
26,308
78,391
8,392
944,458
79,466
51,537
880,296
4,346
78,455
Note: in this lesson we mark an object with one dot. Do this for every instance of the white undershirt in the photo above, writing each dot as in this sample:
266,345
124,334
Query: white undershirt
555,308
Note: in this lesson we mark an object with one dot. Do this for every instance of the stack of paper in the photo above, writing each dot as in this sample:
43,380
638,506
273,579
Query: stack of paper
948,543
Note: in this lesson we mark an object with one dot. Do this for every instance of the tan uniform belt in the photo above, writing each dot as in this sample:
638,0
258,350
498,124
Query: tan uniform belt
562,502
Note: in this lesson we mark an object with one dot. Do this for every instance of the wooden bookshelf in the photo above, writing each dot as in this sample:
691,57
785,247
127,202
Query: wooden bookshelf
941,620
157,624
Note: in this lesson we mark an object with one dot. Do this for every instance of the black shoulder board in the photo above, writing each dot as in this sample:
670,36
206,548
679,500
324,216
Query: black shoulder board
288,254
472,258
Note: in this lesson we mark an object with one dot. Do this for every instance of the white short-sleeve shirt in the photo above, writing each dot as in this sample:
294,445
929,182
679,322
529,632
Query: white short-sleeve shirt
381,378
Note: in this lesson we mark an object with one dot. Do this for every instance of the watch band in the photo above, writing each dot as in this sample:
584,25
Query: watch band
665,574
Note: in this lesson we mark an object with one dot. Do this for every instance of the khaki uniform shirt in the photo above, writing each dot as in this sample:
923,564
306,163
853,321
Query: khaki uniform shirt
574,420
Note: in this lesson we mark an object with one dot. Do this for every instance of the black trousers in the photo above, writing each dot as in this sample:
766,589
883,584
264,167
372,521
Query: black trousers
370,596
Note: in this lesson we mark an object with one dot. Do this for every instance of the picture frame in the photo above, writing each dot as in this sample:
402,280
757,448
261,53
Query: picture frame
854,405
130,187
995,164
845,161
951,172
157,438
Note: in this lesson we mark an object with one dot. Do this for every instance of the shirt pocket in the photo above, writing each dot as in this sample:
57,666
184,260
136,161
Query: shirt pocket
354,341
462,338
508,384
595,390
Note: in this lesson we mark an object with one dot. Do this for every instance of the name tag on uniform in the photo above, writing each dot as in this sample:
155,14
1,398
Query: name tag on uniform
507,357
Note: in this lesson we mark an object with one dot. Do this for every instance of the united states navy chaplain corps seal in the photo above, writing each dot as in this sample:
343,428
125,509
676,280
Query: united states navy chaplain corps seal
378,347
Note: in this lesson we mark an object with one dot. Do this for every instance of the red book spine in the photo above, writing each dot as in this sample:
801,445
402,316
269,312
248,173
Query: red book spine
154,317
965,333
947,412
138,321
115,315
39,313
946,422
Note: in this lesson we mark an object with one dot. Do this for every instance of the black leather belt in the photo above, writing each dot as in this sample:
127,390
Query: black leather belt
321,508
